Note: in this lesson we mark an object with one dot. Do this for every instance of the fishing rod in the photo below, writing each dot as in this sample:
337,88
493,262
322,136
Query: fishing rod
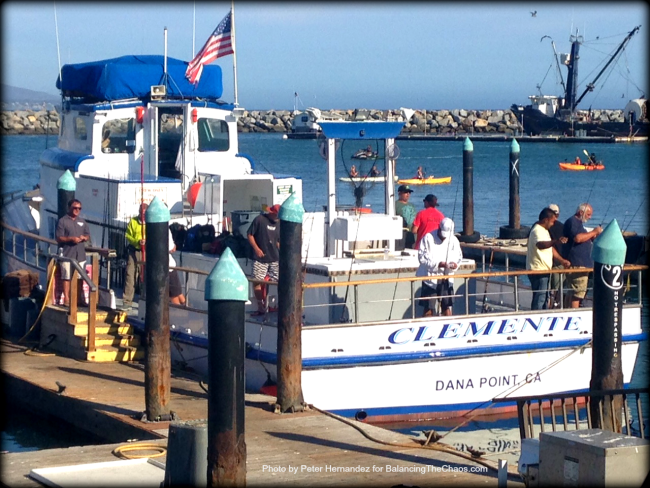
639,208
484,308
606,212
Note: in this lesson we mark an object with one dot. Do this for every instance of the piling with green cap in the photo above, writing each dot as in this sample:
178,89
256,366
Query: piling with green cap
289,396
468,234
157,377
514,229
65,189
608,254
226,291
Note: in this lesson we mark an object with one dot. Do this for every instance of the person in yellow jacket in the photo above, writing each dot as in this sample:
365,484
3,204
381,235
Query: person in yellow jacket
135,238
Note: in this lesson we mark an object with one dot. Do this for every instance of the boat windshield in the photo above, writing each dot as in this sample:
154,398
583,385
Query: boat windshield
213,135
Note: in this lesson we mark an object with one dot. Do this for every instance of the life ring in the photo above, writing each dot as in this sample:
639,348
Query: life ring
193,193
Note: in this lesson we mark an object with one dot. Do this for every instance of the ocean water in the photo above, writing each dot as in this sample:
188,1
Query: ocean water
620,191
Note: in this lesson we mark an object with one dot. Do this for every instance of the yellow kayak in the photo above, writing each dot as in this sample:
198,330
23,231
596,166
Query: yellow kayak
426,181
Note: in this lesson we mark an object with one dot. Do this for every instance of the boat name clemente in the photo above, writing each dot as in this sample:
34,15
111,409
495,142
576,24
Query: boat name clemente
455,330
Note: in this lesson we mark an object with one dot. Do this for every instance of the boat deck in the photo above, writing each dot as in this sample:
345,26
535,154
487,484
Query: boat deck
105,398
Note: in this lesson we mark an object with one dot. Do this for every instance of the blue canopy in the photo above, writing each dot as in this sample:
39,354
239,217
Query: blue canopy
132,77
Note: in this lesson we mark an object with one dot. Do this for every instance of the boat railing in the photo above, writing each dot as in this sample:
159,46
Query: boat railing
481,292
78,272
533,411
34,251
496,296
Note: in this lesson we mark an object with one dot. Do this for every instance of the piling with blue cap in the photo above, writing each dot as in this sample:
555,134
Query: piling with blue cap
290,280
514,229
608,253
157,370
66,186
226,291
468,234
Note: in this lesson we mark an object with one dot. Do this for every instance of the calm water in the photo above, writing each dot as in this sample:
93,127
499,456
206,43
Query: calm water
620,191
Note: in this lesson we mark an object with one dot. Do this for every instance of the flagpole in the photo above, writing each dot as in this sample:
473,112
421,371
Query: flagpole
234,54
193,30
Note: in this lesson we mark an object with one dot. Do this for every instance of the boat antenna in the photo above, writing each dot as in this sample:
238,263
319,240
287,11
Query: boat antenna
165,59
58,49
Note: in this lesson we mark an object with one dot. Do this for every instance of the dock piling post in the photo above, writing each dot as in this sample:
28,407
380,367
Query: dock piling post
157,378
226,291
608,254
290,308
514,230
468,234
65,189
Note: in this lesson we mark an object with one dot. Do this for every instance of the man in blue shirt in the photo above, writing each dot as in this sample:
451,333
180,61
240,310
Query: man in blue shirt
578,251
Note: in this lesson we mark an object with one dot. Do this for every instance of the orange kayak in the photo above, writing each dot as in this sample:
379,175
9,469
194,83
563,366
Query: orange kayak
581,167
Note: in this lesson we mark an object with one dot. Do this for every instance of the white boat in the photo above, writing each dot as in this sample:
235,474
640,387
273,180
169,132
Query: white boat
366,353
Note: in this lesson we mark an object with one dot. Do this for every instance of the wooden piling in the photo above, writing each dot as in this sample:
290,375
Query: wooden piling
226,291
606,366
157,334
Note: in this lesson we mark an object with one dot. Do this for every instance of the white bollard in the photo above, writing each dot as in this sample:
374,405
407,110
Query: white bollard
503,473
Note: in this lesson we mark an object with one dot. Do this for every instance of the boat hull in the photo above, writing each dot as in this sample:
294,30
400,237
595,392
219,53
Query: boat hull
581,167
426,181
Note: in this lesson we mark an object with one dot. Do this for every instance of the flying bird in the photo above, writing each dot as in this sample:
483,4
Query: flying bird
534,13
62,388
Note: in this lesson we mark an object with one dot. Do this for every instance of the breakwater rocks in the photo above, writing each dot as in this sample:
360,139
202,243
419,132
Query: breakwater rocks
423,121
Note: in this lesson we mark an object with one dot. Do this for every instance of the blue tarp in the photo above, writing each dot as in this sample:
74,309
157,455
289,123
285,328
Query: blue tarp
132,77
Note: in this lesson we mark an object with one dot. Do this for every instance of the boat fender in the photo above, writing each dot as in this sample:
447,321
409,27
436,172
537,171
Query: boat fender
193,193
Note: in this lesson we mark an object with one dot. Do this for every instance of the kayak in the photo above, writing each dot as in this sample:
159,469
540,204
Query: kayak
365,155
581,167
426,181
359,179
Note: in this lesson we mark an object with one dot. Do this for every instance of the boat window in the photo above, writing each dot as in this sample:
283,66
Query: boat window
213,135
116,135
80,131
305,118
170,137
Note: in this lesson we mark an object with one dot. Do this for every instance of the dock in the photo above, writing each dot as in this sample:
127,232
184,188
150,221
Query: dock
307,448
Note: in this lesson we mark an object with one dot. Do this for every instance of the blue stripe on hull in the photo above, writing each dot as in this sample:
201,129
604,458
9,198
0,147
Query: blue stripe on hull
392,358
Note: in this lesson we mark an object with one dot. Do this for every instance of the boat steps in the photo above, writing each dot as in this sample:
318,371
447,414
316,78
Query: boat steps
115,340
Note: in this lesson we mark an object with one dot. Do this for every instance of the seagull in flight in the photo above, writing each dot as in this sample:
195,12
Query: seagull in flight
533,13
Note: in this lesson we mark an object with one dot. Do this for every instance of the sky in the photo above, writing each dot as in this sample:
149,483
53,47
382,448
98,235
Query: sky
380,55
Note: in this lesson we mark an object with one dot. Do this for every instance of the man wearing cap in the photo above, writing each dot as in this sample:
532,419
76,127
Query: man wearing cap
541,252
264,238
557,236
407,211
428,219
439,254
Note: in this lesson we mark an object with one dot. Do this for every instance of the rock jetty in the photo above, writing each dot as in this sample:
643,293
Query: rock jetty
422,122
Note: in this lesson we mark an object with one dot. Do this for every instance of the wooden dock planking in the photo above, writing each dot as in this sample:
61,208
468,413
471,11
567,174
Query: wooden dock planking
104,398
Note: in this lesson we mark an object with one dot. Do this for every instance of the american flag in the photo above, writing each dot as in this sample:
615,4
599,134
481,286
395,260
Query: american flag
218,45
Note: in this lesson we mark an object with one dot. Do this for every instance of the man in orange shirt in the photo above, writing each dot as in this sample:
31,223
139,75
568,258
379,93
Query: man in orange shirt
427,220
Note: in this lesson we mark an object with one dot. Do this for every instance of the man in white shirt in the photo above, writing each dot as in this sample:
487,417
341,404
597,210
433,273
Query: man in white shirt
439,255
541,252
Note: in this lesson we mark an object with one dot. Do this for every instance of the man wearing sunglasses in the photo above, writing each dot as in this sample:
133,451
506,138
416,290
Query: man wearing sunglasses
71,233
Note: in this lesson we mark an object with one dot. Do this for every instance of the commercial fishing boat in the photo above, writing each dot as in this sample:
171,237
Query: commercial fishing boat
366,351
553,115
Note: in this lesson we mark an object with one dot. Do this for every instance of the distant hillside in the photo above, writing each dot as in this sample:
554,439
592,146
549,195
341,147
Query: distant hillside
14,98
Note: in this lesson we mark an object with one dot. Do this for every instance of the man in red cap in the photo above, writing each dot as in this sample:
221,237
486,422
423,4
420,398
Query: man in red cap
264,238
427,220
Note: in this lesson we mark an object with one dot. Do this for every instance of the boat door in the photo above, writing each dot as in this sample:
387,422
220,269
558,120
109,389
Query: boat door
163,134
